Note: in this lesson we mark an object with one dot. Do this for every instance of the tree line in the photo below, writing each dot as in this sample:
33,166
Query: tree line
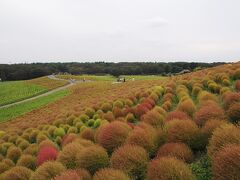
34,70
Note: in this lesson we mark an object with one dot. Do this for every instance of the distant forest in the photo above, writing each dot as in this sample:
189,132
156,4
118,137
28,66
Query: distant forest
34,70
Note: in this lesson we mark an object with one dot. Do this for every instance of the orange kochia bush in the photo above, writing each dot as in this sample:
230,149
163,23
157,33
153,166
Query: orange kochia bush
180,115
231,98
179,150
153,118
208,110
131,159
145,136
226,163
168,168
112,135
237,85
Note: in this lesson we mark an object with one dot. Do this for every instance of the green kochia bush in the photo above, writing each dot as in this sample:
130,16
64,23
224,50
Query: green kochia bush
59,132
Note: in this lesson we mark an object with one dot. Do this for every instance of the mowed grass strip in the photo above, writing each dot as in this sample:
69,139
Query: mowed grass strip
18,90
13,91
20,109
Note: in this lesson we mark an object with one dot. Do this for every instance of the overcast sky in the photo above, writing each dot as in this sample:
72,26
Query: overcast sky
119,30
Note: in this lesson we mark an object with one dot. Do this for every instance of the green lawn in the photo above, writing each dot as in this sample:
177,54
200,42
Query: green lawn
18,90
17,110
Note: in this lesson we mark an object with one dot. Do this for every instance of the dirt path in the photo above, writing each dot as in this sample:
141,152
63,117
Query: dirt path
71,82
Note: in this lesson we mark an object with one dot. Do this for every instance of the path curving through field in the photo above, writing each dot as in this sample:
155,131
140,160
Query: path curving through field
70,83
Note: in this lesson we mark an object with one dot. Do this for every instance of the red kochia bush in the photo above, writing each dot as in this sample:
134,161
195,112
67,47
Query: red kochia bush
46,154
168,168
237,85
234,113
231,98
177,115
112,135
226,163
209,110
178,150
140,110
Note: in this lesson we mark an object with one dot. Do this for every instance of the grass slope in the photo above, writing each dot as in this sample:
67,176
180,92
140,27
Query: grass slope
14,111
18,90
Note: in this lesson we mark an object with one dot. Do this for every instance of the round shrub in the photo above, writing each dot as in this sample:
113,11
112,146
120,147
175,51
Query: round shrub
131,159
187,106
223,136
206,96
97,123
118,104
153,118
47,143
226,163
110,174
32,149
236,74
69,174
117,112
234,113
178,150
145,137
140,110
92,158
237,85
83,173
177,115
231,98
8,162
14,153
88,134
211,125
48,170
23,145
68,138
84,118
106,107
109,116
130,118
59,132
27,161
168,168
89,112
84,142
41,137
72,130
4,167
46,154
196,90
18,172
182,131
68,154
112,135
209,111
